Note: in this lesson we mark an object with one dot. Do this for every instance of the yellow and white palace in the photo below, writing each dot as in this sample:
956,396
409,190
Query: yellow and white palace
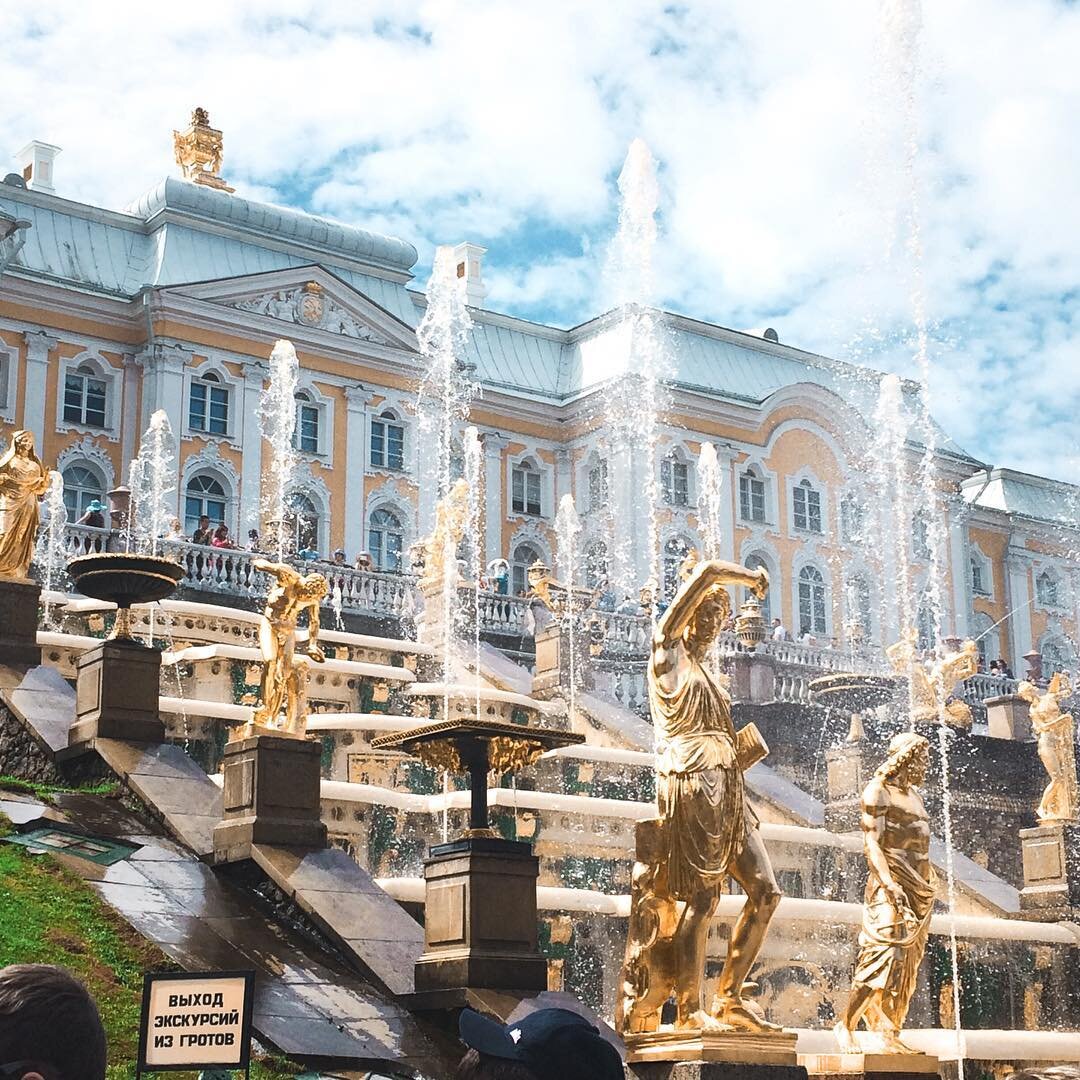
175,302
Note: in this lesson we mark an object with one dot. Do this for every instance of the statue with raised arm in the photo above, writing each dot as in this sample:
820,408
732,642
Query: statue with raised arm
1056,733
284,677
899,898
932,682
706,831
23,481
440,548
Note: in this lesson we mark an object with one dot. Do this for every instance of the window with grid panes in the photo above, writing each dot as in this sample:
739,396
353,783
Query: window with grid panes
525,490
751,497
807,507
387,442
208,407
85,396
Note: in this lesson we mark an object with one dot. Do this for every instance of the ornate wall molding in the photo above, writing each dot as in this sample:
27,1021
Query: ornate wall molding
309,305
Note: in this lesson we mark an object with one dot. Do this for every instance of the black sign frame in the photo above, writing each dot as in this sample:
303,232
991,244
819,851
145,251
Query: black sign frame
151,977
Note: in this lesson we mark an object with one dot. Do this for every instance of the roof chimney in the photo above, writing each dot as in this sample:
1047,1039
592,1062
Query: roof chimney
36,159
469,262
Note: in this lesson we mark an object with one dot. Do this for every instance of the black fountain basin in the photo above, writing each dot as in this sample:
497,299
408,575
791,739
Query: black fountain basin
125,579
854,692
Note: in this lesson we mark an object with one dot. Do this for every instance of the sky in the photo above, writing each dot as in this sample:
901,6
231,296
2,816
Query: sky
828,169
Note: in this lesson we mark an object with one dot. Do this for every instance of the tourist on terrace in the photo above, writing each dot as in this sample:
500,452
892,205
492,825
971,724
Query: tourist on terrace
203,534
339,558
221,538
253,540
94,517
49,1026
176,530
363,561
1004,669
549,1044
780,631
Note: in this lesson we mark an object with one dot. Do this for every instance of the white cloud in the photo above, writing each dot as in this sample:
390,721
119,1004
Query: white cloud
506,123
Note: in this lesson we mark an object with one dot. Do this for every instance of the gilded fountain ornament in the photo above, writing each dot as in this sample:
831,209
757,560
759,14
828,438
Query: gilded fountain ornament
932,681
1056,733
23,482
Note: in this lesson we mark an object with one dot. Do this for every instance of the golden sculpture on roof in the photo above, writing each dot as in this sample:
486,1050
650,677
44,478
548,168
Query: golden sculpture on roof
199,151
23,481
1055,731
899,899
283,688
705,832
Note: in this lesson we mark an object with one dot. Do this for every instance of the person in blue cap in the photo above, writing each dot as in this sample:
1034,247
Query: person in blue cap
94,516
549,1044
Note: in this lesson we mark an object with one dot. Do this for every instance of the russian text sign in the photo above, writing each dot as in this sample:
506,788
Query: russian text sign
196,1021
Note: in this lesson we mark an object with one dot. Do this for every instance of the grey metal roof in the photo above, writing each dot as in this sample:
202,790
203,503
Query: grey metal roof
1025,495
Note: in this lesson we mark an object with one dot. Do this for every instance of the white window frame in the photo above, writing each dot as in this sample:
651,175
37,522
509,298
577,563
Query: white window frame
9,381
796,581
529,462
519,570
1055,578
808,486
386,416
95,471
228,495
110,376
758,472
976,558
223,381
598,467
324,407
859,510
672,459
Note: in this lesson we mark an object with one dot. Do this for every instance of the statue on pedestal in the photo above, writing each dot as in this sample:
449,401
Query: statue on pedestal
1055,731
932,682
705,833
284,676
899,898
23,481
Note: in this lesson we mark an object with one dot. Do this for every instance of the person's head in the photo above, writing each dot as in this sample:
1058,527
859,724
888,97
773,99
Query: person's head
175,525
95,507
253,534
776,622
204,522
908,761
49,1026
549,1044
222,531
339,557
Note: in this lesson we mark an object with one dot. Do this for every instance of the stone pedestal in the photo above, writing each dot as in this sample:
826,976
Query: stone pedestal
271,796
687,1055
553,672
116,693
480,917
1051,872
846,775
855,1066
1007,717
753,678
19,622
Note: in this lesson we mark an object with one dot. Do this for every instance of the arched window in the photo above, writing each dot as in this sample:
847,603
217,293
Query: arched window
978,577
81,486
920,540
1046,589
859,609
1056,656
675,552
387,442
751,496
386,538
524,556
598,486
85,396
301,522
986,639
308,417
204,496
807,507
926,626
525,488
755,562
675,480
811,601
596,564
208,405
852,518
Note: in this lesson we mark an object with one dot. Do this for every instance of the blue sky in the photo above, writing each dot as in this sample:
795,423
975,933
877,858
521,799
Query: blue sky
781,129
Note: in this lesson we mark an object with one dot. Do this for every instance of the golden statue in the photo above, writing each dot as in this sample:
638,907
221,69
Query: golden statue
23,481
899,898
1055,731
451,519
199,150
284,675
932,682
705,833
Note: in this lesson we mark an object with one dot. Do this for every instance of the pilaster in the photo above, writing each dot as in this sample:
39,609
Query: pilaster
1018,593
357,408
163,385
129,411
725,456
494,510
255,375
961,573
38,346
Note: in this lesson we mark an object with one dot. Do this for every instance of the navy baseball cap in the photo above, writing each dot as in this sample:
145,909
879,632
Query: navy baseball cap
555,1044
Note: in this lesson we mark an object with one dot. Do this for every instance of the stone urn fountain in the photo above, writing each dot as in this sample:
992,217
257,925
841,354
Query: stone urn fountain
125,579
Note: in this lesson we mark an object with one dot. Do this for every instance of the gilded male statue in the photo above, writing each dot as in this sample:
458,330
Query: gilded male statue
705,833
23,481
899,898
284,676
1055,732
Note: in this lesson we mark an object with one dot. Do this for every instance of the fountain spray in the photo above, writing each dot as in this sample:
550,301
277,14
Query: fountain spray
51,554
473,454
567,529
277,423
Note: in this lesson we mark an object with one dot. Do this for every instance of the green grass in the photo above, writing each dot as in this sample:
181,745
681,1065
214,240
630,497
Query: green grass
49,915
45,791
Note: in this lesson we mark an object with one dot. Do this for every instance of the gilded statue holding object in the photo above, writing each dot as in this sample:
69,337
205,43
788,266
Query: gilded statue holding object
1056,733
705,833
451,518
899,900
23,481
932,682
284,676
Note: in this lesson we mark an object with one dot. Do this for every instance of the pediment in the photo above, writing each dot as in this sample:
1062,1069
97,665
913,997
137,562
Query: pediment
308,297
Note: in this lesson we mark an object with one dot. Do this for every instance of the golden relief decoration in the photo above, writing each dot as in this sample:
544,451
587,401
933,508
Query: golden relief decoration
1056,733
23,482
283,687
199,151
899,899
706,832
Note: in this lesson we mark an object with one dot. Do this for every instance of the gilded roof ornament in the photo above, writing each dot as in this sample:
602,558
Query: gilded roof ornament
199,150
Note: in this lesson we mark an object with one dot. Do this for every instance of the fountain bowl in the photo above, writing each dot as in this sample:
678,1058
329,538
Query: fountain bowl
125,579
854,692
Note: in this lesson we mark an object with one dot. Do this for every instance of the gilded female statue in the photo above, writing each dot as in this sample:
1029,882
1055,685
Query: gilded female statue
1056,733
705,831
899,897
23,481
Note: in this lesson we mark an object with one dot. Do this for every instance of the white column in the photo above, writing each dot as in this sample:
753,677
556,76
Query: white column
494,515
163,386
426,466
357,400
250,514
725,457
129,414
38,346
960,567
1019,599
563,480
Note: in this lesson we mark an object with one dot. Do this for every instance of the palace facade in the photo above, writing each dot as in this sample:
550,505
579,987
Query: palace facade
175,302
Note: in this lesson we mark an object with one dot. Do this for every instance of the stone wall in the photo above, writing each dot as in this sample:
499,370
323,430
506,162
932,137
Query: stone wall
22,757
